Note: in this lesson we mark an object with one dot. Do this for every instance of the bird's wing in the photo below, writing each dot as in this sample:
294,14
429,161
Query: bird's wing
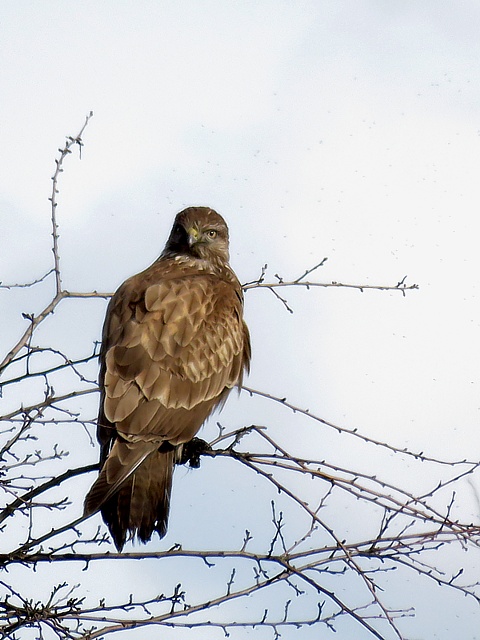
174,344
170,353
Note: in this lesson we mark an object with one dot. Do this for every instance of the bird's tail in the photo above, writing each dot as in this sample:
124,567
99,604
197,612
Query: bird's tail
134,494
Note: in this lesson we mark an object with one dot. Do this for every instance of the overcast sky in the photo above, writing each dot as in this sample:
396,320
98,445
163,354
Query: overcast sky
328,128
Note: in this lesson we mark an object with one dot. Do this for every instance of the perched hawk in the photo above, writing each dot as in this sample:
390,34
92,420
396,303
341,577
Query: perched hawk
174,345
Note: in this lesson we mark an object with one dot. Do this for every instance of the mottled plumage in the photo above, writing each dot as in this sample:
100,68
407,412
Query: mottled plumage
174,345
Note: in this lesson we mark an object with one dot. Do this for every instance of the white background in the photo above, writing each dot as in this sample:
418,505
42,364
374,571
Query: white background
340,129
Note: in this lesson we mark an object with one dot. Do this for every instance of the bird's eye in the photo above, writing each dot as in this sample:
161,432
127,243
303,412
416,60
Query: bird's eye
212,233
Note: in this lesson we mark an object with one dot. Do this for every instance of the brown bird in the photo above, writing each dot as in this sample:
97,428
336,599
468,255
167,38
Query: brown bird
174,345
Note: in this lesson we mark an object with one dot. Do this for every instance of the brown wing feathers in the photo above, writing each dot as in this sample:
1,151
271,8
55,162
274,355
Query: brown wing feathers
174,344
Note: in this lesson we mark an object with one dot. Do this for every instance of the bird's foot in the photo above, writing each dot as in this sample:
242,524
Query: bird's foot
192,450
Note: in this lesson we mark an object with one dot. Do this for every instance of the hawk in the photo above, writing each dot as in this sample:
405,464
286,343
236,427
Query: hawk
174,344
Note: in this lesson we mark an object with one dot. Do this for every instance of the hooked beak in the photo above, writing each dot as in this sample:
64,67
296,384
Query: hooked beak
192,236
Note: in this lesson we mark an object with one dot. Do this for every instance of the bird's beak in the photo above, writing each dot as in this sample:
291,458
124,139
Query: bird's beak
192,236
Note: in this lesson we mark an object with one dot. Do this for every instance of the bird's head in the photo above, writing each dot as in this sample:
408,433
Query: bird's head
199,232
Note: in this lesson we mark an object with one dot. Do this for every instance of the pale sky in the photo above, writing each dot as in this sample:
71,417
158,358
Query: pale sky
340,129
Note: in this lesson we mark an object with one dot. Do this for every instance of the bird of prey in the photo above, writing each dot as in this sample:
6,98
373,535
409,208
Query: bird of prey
174,344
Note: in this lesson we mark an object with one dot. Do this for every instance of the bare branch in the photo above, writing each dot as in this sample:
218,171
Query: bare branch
304,568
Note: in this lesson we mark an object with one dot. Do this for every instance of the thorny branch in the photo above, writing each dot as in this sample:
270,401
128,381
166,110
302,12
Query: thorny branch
302,561
300,281
60,294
